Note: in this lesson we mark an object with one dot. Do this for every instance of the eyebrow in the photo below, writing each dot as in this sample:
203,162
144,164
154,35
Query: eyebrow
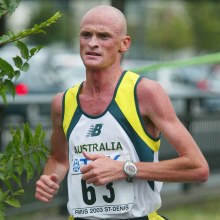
98,33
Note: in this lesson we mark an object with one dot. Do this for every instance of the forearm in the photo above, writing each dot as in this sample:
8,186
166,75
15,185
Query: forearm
182,169
54,166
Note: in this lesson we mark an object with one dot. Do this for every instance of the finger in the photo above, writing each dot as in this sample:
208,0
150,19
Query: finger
46,184
43,195
42,187
85,169
41,198
87,174
51,182
54,178
90,156
97,181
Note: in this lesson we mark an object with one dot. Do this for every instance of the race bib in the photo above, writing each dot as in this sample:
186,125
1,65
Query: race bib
88,200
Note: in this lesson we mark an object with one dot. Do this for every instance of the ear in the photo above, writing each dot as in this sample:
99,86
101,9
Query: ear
125,44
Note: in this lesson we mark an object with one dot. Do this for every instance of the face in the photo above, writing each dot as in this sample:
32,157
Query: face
101,41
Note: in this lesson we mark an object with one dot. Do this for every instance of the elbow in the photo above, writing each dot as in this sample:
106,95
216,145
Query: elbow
203,173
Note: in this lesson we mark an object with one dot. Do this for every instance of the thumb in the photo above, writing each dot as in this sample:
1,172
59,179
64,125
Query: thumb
92,156
54,178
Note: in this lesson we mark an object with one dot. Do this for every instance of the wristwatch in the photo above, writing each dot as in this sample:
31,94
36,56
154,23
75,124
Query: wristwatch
130,169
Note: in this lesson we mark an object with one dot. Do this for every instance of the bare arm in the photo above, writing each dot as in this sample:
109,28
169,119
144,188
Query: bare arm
191,165
57,164
58,159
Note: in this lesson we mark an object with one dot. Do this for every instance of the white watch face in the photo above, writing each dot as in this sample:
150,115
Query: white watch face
130,169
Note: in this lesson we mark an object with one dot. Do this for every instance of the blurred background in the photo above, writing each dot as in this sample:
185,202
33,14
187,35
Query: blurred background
161,30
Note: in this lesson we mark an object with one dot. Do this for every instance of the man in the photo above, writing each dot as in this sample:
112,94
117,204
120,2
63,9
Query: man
106,132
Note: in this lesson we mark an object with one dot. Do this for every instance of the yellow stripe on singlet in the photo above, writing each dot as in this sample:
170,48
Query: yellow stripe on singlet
155,216
126,92
70,102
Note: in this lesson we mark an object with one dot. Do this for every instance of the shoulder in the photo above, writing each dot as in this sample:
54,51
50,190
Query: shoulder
56,105
150,89
152,98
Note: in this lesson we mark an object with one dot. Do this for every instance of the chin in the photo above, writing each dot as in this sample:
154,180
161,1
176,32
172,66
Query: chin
92,65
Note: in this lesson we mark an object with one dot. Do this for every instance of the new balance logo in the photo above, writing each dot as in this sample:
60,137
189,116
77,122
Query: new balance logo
94,130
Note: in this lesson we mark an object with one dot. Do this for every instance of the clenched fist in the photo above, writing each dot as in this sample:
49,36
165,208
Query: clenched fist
46,187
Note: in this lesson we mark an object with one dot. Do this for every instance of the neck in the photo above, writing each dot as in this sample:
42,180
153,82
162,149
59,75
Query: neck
98,82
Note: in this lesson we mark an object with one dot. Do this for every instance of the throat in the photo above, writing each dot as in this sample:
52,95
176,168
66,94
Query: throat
94,106
96,95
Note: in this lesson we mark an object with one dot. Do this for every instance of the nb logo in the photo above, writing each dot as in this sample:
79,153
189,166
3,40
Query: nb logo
94,130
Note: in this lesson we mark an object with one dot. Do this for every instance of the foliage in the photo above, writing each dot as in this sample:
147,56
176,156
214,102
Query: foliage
26,151
165,30
62,31
8,6
205,19
8,73
38,28
23,153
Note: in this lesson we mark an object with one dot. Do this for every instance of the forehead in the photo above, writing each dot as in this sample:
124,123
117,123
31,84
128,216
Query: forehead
100,22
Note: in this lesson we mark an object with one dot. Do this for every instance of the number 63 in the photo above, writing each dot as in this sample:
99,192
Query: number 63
89,194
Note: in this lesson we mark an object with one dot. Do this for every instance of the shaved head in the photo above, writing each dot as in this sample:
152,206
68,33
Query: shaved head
103,37
107,12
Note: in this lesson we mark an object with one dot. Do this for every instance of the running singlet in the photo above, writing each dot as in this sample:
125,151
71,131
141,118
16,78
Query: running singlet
119,134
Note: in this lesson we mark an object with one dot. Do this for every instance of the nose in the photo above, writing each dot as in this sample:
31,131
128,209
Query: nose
93,41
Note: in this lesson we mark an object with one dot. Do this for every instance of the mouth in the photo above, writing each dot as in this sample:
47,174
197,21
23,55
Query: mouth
91,53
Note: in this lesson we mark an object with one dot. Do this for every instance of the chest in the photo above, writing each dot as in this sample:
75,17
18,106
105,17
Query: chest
95,105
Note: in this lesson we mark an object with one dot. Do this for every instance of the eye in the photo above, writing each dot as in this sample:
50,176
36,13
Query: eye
85,34
104,36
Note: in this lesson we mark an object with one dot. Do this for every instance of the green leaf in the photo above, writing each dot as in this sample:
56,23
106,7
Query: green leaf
17,140
13,5
18,149
19,192
8,184
42,137
36,160
17,180
25,145
43,156
17,74
23,49
10,34
2,176
29,169
3,95
13,202
10,87
35,50
5,66
2,171
19,168
7,6
27,134
3,9
4,38
17,61
25,67
37,134
3,195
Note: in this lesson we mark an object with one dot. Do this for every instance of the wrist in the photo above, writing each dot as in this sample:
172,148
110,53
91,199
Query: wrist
129,170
